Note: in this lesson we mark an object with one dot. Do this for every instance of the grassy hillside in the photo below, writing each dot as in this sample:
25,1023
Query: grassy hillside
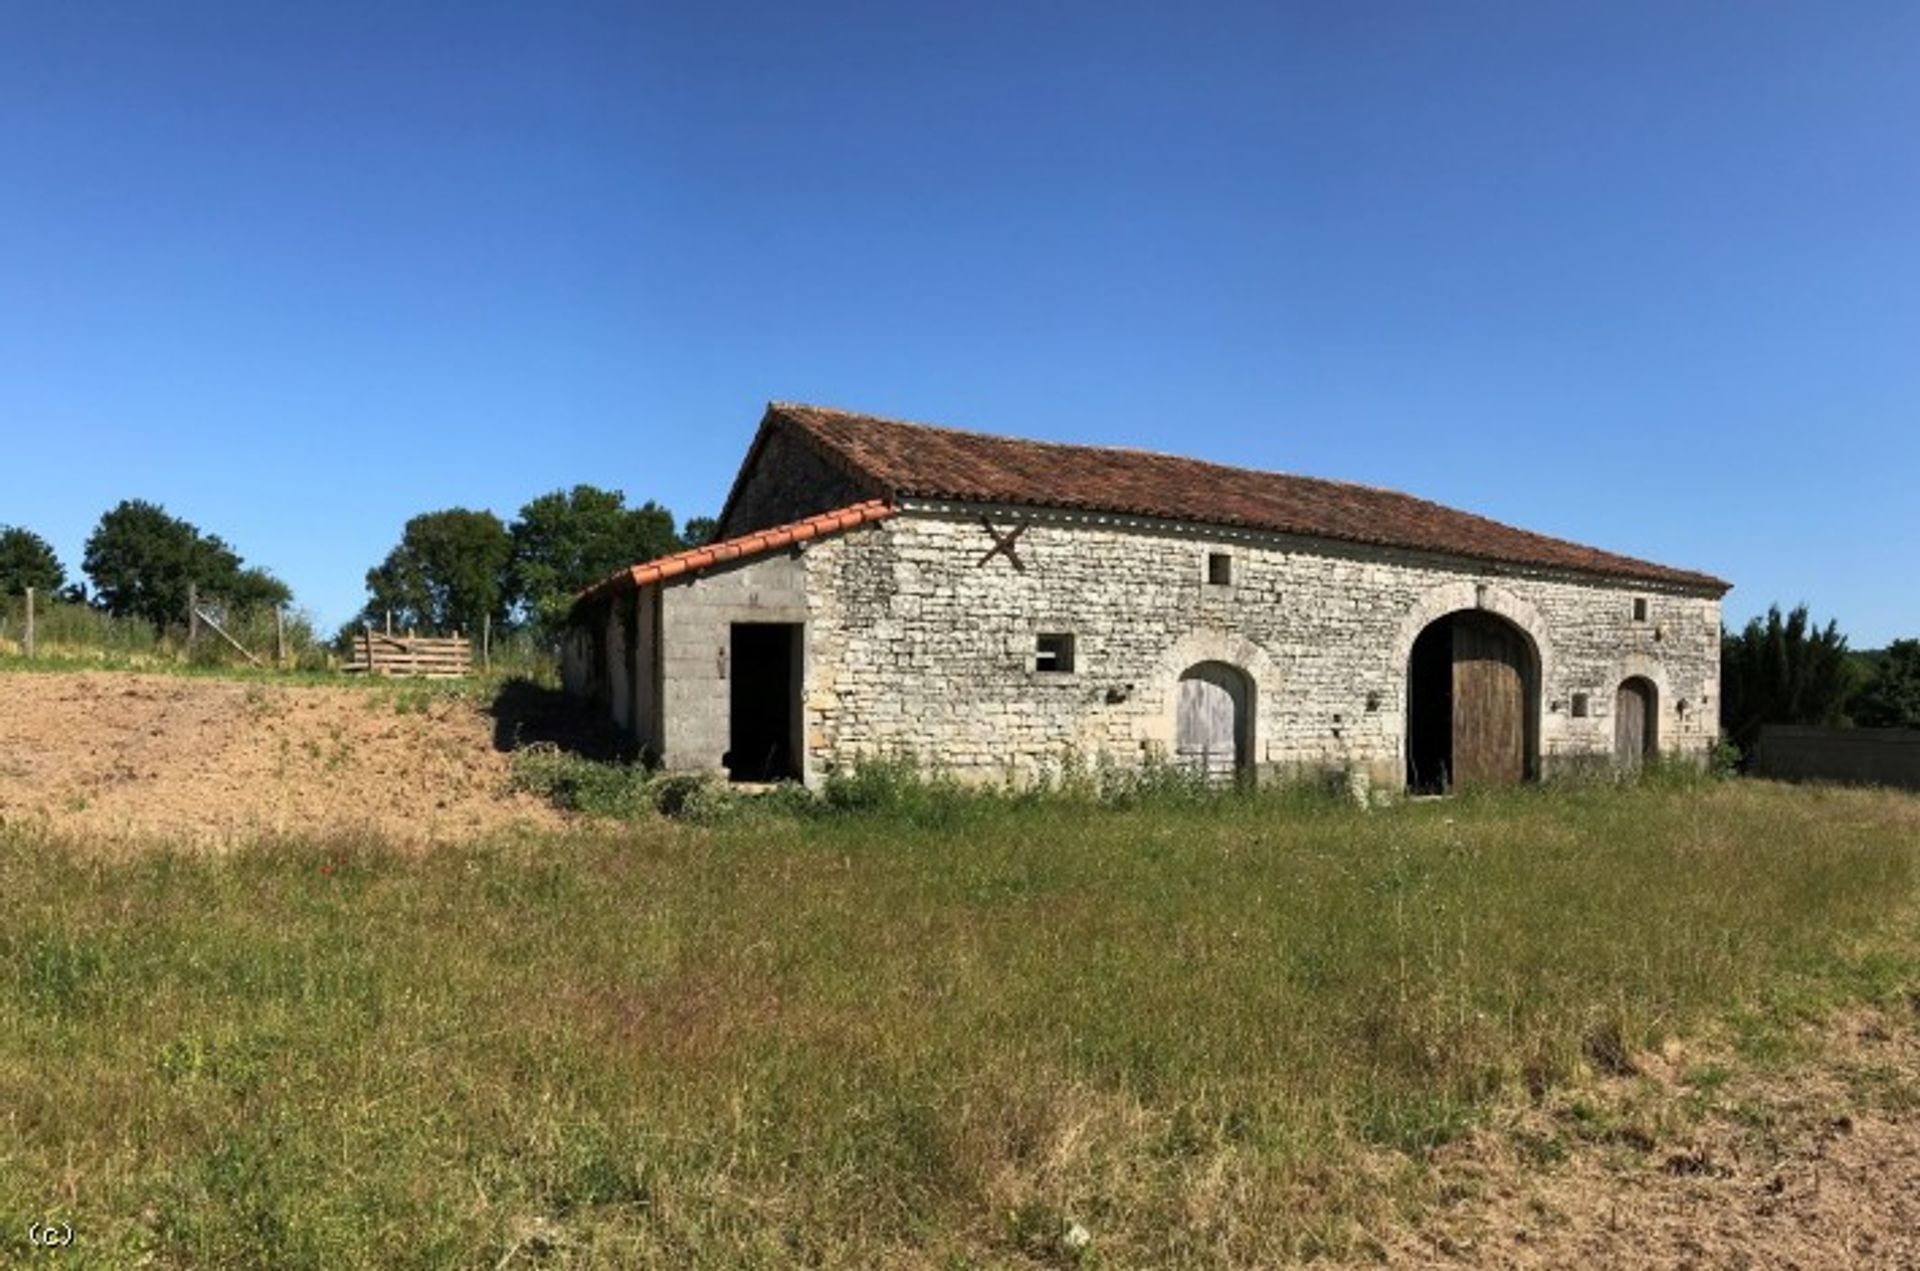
1219,1032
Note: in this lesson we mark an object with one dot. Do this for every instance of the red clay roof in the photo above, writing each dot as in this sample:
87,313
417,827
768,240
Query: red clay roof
746,545
900,460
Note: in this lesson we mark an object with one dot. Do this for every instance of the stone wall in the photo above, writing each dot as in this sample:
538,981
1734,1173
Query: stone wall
785,481
916,646
645,673
616,624
583,656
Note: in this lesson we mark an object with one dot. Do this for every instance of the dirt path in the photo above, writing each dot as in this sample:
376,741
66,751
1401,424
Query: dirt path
123,757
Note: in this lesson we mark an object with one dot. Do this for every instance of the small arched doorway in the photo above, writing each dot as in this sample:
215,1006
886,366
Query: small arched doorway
1472,694
1213,720
1636,723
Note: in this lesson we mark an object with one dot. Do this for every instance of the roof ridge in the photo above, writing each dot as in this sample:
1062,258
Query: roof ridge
1006,439
912,459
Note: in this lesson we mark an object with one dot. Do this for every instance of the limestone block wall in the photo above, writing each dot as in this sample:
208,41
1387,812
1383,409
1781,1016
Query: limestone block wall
916,646
786,481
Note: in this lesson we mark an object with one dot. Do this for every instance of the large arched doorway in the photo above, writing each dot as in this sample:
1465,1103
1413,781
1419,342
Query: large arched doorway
1636,722
1472,689
1213,720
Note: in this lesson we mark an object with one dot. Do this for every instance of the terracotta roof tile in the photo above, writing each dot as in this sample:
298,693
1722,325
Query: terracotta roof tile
901,460
746,545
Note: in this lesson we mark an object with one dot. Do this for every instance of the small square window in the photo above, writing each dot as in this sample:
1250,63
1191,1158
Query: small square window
1053,652
1220,569
1579,705
1639,608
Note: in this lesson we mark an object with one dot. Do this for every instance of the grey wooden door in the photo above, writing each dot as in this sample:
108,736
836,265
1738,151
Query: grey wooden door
1633,723
1210,720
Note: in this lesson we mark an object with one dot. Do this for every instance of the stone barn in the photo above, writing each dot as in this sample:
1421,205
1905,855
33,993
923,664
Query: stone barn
996,608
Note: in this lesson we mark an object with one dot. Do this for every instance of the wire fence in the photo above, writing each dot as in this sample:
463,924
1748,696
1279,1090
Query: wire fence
65,630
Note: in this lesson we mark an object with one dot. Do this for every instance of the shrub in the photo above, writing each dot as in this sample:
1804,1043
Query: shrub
578,784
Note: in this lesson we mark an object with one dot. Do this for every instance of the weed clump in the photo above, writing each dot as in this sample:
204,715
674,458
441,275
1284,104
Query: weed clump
631,792
577,784
898,789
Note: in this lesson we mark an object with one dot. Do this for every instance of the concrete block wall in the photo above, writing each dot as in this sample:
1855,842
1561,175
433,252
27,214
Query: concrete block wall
696,618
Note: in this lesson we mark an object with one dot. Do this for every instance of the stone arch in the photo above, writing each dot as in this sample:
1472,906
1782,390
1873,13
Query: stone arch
1213,730
1452,597
1654,672
1262,675
1426,737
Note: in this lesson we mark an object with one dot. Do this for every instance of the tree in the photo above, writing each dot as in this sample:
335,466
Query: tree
569,539
698,531
1782,672
27,560
143,563
1891,698
449,573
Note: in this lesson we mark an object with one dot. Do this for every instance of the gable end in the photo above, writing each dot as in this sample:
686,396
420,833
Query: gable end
786,478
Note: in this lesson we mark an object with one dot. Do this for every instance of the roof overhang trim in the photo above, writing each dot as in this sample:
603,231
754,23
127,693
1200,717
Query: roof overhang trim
742,547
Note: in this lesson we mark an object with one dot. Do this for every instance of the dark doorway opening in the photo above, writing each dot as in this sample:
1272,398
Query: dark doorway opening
1430,710
764,717
1472,686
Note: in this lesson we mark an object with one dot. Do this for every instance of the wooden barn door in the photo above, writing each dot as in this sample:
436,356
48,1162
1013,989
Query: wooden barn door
1489,702
1633,719
1209,720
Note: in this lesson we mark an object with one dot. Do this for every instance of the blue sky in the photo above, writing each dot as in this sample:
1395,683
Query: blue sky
1646,276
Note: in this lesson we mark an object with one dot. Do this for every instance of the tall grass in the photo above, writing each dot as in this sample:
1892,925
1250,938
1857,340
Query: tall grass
62,628
1220,1031
67,633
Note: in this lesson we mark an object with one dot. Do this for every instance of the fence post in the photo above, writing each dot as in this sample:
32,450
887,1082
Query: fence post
280,638
29,641
193,615
389,622
486,643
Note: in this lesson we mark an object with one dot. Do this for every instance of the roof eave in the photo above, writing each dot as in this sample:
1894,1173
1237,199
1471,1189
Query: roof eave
1659,575
695,560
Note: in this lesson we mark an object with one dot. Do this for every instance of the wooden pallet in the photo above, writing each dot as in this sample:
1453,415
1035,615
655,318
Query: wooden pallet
431,657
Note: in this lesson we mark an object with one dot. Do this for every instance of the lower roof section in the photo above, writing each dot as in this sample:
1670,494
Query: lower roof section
743,547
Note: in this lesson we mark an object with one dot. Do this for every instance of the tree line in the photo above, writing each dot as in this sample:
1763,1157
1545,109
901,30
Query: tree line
453,569
142,563
458,568
1786,669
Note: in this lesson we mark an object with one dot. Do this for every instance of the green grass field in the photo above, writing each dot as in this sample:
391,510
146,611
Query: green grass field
1206,1031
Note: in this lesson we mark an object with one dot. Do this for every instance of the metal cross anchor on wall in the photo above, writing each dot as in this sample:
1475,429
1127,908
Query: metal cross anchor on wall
1003,545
